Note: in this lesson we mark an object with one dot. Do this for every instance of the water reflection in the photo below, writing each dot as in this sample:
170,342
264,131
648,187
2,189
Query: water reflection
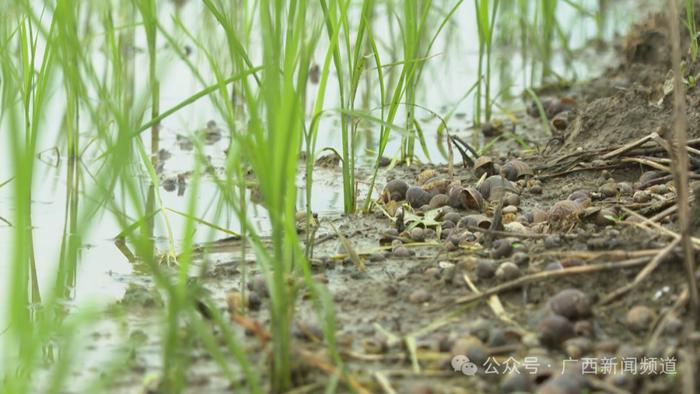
87,266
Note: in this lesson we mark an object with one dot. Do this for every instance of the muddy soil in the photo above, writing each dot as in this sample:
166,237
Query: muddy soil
554,247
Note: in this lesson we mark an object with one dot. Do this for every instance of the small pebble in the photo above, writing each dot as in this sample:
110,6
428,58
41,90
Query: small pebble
553,266
419,296
640,318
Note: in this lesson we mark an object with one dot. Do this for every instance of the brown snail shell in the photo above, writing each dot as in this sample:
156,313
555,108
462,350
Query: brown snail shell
582,197
395,190
515,169
454,197
564,213
511,199
553,330
560,121
608,189
510,213
436,185
426,175
493,187
472,199
438,201
640,318
484,165
537,215
571,303
641,196
417,197
475,220
557,106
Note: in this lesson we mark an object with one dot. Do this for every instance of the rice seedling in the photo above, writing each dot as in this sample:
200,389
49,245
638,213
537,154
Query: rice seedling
485,20
391,95
348,60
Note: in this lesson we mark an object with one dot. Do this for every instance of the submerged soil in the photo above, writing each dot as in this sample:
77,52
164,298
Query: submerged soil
571,236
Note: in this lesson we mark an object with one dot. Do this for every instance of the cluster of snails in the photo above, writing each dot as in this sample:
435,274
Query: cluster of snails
558,110
435,191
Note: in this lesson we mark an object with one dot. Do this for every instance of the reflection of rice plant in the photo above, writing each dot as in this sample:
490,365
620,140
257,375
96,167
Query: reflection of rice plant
692,30
485,21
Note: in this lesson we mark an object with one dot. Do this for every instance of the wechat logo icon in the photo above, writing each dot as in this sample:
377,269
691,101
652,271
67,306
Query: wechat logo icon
461,363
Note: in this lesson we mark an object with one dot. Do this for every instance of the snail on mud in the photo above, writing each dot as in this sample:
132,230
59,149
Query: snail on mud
564,215
553,330
484,165
436,185
438,201
571,303
426,175
471,198
560,121
516,169
477,220
493,187
417,197
394,190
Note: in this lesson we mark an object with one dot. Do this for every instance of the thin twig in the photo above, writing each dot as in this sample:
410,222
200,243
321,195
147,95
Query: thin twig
629,146
586,269
680,158
643,274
